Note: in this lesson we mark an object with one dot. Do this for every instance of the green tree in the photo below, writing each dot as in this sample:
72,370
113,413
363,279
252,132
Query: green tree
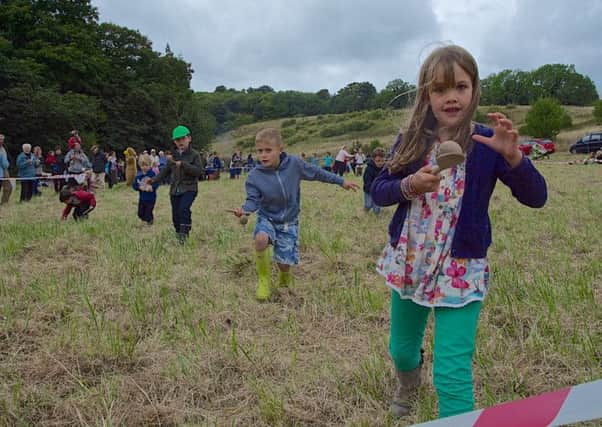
563,83
545,118
354,97
397,94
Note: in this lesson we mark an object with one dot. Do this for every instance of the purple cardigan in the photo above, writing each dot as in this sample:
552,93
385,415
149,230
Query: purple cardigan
483,167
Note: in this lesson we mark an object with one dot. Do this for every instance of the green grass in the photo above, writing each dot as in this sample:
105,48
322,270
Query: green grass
109,322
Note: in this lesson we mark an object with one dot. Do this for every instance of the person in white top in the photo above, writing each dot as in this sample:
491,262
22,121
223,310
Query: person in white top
340,159
359,162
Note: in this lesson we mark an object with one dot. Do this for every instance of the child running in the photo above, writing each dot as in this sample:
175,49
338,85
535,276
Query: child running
81,201
148,191
436,259
184,169
273,190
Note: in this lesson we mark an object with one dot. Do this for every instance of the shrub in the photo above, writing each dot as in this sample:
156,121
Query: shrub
246,143
287,133
287,123
545,118
480,117
331,131
358,125
376,115
343,128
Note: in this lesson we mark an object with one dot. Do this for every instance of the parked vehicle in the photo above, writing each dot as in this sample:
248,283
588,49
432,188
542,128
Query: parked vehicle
588,144
541,147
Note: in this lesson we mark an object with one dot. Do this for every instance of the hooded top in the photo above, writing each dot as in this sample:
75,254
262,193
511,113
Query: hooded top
275,193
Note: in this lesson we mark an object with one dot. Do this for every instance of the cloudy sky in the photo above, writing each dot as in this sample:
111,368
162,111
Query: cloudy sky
313,44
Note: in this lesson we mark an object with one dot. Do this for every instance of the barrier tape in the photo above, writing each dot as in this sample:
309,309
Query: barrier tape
566,406
80,177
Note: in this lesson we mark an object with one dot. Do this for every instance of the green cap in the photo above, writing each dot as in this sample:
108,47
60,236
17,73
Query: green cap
180,132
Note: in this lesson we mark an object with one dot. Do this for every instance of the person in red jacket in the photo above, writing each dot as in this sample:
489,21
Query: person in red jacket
83,201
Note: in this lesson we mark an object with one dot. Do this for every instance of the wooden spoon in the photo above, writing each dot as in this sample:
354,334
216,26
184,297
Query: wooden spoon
450,154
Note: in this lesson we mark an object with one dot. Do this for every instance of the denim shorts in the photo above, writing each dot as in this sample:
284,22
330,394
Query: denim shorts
284,237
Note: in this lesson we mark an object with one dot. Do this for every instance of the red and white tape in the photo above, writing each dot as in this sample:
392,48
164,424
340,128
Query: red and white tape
568,405
78,177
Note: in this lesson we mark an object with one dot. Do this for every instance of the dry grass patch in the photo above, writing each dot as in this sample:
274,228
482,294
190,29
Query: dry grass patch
108,322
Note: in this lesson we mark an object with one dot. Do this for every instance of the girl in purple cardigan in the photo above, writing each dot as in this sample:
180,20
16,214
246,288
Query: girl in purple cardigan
436,258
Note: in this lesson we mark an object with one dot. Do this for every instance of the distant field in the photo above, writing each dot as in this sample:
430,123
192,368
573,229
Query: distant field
108,322
306,134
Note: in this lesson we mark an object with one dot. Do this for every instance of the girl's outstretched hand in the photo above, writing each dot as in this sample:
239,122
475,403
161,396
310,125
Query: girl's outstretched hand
424,181
504,139
348,185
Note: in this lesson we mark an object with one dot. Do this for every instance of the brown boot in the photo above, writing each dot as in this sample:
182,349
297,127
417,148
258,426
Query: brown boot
409,381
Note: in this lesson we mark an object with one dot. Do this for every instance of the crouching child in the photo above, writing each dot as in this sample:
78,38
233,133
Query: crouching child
81,201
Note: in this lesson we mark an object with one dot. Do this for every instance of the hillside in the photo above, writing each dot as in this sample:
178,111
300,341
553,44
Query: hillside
328,132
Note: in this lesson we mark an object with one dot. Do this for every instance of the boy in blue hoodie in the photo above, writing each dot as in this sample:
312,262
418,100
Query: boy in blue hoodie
274,190
148,190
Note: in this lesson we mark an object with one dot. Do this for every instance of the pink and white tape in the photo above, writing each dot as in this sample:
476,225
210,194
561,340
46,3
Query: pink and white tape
568,405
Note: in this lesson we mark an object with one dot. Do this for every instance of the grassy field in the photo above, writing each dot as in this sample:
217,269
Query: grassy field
319,134
109,322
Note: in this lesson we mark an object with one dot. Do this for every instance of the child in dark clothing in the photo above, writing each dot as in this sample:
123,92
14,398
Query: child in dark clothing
373,168
184,169
83,201
148,191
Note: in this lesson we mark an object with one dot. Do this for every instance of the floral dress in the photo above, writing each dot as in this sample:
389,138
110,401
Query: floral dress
421,267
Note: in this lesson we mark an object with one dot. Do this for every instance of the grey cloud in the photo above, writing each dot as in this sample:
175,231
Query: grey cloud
305,45
550,32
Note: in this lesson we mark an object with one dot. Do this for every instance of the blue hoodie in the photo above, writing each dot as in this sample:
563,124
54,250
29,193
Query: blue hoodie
276,193
145,196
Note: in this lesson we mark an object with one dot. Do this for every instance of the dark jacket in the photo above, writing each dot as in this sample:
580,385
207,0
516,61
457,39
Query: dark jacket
98,162
370,175
185,178
59,166
483,168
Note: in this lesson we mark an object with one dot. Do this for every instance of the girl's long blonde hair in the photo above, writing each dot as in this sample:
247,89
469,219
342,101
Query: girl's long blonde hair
423,127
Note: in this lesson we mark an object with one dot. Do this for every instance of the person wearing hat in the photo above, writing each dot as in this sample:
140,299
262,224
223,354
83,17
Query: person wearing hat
183,169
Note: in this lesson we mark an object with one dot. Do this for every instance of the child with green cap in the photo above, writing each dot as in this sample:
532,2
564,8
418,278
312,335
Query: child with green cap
273,190
183,170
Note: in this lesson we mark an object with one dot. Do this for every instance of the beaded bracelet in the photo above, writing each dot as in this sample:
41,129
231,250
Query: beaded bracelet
407,188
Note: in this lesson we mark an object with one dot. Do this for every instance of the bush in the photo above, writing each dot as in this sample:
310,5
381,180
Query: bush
598,111
374,144
376,115
480,117
246,143
242,119
287,133
545,118
331,131
287,123
358,125
343,128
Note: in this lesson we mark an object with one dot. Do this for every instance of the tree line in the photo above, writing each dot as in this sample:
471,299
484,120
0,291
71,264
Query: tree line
62,69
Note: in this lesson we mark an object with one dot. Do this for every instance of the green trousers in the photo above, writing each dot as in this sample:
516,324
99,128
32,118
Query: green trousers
455,331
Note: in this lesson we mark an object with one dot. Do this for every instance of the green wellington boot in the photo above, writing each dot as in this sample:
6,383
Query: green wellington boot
285,278
263,264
